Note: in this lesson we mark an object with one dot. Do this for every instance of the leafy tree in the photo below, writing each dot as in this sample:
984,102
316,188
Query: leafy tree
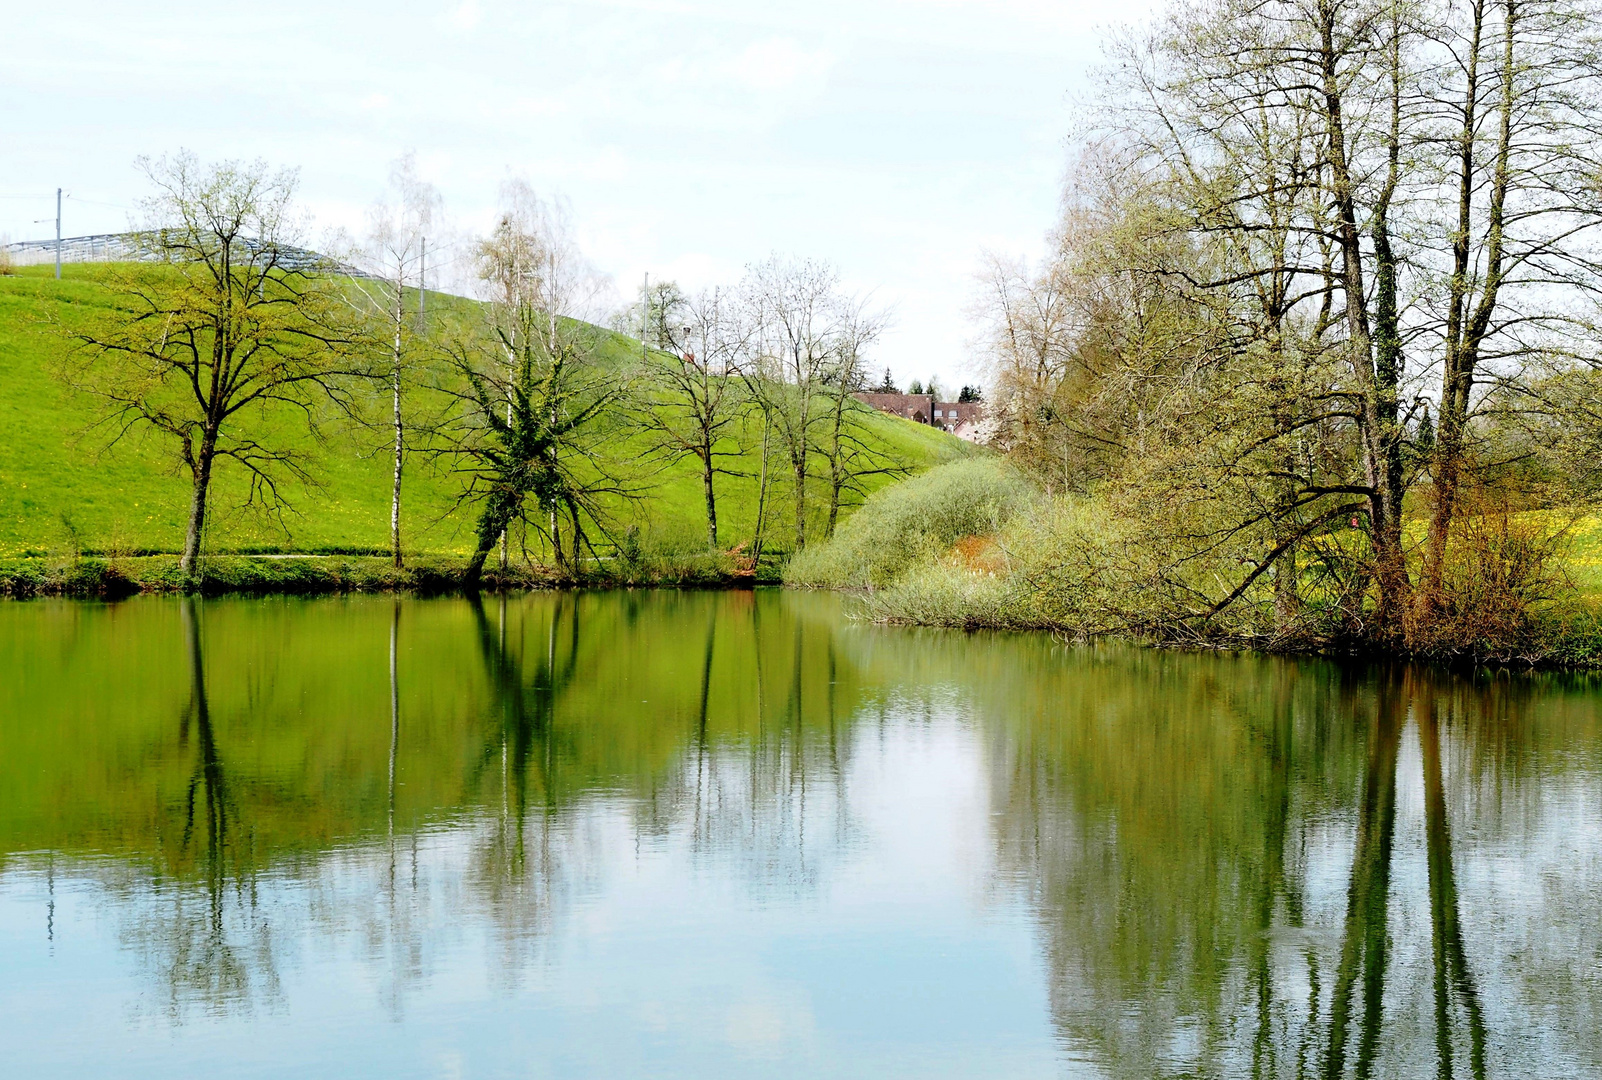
537,412
1302,229
653,318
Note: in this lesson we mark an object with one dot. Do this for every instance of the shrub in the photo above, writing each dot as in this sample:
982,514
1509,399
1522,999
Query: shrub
1060,566
951,593
916,521
1502,577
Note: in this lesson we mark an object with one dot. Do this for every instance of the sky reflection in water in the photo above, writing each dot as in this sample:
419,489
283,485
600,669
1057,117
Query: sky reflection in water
667,834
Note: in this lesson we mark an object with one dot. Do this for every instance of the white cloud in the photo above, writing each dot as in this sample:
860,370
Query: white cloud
779,64
465,16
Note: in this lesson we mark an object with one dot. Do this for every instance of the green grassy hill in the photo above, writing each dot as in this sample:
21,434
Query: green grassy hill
65,488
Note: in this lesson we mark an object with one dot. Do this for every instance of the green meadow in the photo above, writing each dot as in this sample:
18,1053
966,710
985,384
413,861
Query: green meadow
69,487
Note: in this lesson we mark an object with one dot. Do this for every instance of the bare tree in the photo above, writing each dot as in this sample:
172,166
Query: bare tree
693,398
221,330
1519,93
394,258
802,327
844,444
1029,342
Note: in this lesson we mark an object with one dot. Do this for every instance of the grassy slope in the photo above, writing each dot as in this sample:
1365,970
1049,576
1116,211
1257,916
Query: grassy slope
62,488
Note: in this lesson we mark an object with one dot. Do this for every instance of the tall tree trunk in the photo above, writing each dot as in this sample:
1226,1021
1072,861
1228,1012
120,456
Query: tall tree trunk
576,528
1465,330
395,497
836,461
1388,362
711,498
200,469
799,465
1384,500
762,492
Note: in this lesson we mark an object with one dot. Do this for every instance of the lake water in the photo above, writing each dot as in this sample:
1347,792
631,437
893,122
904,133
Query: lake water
702,835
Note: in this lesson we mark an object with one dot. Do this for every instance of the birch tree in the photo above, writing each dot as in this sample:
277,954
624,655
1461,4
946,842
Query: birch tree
849,454
394,258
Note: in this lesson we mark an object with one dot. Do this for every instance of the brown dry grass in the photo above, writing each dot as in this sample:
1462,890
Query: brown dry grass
1503,569
979,554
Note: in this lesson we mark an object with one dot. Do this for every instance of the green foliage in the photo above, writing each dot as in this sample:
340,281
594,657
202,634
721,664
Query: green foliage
912,521
1071,566
1059,565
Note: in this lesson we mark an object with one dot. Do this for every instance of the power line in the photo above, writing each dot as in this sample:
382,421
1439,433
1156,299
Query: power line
97,202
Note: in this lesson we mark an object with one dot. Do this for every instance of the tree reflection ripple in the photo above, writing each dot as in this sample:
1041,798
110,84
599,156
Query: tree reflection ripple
742,833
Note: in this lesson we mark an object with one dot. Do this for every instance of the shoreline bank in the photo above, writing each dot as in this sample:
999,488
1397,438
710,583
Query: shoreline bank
296,574
1568,646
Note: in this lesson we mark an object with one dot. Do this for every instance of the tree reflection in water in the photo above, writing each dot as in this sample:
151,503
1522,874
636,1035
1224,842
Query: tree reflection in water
521,749
202,929
1230,860
1453,979
1363,944
1183,840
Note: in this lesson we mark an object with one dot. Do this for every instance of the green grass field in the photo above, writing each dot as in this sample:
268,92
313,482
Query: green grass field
64,490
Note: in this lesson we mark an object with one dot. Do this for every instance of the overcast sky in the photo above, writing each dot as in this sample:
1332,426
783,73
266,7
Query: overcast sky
896,139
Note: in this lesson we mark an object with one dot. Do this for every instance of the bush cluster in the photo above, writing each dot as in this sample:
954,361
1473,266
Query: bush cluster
914,522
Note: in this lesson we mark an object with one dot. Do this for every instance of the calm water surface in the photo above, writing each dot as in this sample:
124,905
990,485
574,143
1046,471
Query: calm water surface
709,835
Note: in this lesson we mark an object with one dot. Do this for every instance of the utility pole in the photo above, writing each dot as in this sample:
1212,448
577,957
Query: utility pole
58,234
645,317
422,287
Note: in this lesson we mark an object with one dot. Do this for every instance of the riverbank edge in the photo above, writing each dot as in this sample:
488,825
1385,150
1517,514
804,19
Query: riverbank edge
1571,642
1567,638
98,578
